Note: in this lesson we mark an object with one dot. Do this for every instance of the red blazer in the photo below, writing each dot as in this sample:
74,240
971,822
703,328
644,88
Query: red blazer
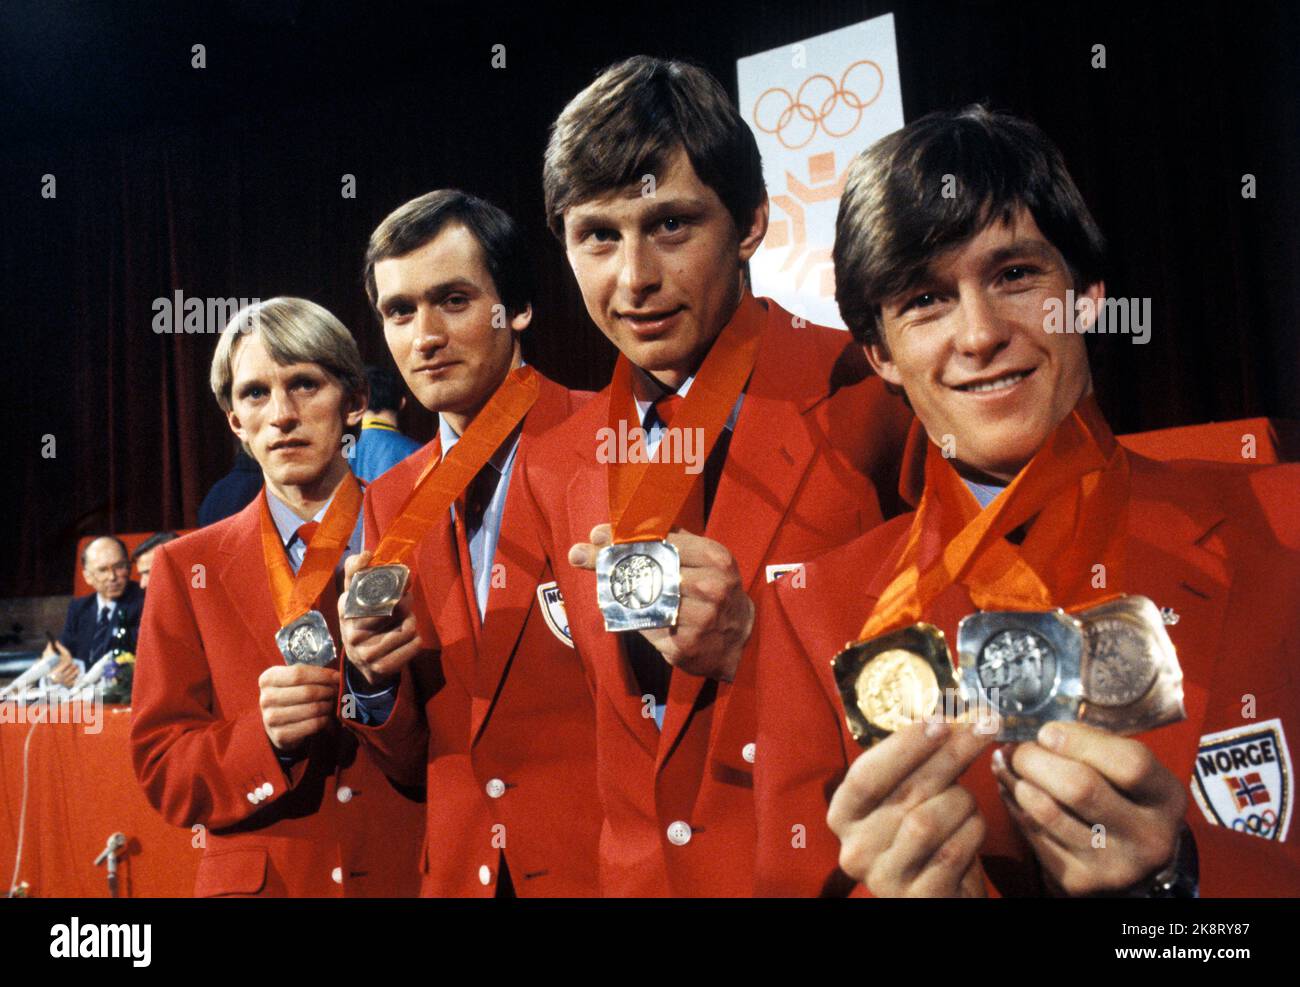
335,826
816,439
500,724
1218,544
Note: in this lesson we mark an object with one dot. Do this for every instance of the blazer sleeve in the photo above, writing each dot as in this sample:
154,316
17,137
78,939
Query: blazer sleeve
194,767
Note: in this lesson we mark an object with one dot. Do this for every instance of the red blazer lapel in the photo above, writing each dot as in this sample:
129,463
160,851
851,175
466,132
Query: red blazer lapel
771,448
522,559
587,505
247,584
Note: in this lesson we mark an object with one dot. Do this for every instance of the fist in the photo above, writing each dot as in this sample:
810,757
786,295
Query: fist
715,616
297,701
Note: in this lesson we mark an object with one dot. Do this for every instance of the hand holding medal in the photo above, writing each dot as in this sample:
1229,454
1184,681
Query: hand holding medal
715,614
297,699
379,647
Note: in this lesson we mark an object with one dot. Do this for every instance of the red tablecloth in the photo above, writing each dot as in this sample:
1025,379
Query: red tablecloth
81,790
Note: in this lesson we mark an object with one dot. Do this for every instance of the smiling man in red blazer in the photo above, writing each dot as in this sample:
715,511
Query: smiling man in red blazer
654,186
1028,503
228,738
472,686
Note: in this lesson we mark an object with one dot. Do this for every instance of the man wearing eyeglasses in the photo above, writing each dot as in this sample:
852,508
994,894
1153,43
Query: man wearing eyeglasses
89,628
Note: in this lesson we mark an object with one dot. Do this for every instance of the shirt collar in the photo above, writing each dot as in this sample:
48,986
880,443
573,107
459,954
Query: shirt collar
647,389
501,459
286,521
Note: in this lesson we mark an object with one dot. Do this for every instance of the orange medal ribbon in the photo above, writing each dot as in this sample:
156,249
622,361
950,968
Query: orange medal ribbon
1075,493
646,497
440,485
295,595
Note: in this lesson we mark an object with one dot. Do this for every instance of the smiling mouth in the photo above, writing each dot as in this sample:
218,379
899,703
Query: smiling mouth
649,320
996,384
281,446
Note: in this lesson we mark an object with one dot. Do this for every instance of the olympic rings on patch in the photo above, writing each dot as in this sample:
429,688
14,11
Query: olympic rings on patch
1261,824
802,114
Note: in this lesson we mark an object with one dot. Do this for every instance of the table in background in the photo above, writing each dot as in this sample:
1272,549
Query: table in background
81,790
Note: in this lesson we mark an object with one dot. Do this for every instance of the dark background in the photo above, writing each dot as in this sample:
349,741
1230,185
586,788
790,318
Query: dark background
226,181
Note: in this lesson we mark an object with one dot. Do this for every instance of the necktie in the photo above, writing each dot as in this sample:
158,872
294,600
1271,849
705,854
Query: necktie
477,499
100,640
305,532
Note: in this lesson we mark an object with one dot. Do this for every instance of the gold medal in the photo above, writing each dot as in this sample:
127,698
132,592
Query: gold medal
895,679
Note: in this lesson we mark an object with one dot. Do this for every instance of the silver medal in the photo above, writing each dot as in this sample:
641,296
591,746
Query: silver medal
638,585
306,641
1024,666
374,592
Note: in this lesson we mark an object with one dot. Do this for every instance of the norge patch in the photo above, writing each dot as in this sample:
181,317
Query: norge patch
548,595
1243,779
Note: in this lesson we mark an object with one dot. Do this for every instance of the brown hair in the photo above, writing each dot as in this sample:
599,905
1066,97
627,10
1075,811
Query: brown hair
413,224
936,183
631,119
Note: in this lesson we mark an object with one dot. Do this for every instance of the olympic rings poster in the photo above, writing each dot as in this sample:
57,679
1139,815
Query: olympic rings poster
813,105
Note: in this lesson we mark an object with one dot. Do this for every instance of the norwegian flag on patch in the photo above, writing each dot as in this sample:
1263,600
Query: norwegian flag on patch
1248,789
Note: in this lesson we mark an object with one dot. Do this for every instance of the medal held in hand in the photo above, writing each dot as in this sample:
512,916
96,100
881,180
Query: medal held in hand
306,641
1111,666
1024,665
638,585
1131,677
638,577
304,636
898,678
376,589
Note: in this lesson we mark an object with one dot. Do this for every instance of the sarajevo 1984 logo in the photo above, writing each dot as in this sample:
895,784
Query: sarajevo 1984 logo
1243,780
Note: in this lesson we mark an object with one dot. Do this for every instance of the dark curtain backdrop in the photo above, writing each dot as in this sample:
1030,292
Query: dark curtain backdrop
225,182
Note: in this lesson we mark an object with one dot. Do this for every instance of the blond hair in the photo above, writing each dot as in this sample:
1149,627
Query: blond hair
294,330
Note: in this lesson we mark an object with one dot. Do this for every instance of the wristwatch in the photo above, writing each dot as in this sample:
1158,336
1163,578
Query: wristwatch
1180,879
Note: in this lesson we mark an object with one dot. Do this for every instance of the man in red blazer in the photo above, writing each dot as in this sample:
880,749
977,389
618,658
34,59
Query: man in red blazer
653,184
227,739
1026,493
498,721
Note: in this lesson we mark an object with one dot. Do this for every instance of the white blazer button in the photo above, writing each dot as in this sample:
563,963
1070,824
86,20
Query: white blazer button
252,797
679,833
267,789
344,793
496,788
485,875
336,875
748,751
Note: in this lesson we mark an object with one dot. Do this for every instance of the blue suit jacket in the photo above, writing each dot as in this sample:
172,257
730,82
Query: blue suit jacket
83,612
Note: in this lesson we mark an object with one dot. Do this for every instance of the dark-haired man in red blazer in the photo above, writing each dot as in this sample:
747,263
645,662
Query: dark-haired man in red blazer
472,686
1028,503
654,186
229,739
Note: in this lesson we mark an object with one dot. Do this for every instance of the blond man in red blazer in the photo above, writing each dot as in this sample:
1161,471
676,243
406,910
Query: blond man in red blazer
228,739
809,442
491,707
960,318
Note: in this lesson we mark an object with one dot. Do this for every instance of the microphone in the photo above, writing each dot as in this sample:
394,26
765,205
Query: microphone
109,853
37,670
96,673
115,843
